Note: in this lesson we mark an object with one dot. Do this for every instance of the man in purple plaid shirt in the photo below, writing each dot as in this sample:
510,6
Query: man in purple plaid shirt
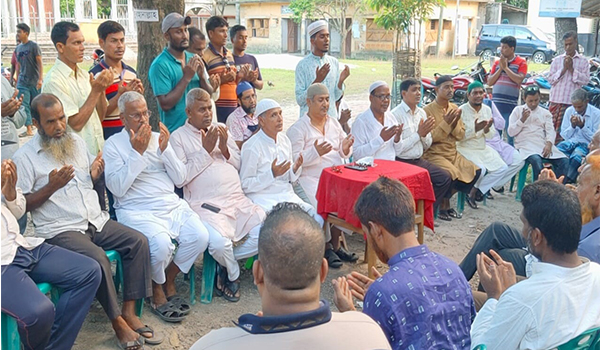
568,72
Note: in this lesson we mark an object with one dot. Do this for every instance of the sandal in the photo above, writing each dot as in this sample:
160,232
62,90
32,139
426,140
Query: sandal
168,312
471,202
345,255
220,276
153,340
332,259
233,288
180,303
443,215
137,344
453,213
489,195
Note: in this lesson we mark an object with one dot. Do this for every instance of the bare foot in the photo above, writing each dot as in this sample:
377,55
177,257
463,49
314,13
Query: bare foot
135,323
123,330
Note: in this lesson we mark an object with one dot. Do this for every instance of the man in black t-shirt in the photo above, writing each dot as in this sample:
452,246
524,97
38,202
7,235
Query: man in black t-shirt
239,39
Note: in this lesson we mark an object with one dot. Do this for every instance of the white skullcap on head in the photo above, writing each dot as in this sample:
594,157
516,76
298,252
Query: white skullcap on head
377,84
264,105
316,27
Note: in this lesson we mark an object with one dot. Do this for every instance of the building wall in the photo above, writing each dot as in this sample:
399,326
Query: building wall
546,24
264,10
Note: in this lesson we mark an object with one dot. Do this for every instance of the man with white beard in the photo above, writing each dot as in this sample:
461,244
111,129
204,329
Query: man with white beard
56,173
141,172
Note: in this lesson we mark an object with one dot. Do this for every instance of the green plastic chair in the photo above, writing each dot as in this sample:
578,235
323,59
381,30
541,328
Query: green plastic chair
10,333
480,347
521,182
209,270
114,256
588,340
191,277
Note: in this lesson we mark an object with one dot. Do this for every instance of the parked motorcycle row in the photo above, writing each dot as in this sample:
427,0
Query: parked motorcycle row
476,72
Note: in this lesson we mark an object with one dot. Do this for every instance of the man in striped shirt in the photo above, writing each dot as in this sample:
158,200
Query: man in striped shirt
111,38
506,77
568,72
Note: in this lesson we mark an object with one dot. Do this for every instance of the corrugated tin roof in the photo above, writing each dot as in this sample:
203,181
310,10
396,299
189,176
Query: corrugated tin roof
590,8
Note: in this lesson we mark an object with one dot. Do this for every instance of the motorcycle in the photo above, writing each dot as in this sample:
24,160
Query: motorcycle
461,81
97,56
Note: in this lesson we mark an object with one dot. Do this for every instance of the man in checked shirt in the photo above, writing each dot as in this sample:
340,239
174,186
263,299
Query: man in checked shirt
568,72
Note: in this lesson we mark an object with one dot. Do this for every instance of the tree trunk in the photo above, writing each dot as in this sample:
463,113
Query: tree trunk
343,45
150,44
563,25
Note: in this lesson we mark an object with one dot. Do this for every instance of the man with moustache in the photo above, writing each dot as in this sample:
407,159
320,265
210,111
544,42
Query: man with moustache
239,39
268,165
213,190
56,174
376,131
175,71
322,143
320,67
242,123
449,128
423,301
141,171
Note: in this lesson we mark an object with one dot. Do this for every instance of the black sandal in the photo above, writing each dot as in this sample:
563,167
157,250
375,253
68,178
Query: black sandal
220,276
233,288
153,340
168,312
132,345
453,213
345,255
471,202
332,259
443,215
180,303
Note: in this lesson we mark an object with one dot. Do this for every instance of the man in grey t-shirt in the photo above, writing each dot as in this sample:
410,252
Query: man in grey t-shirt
29,70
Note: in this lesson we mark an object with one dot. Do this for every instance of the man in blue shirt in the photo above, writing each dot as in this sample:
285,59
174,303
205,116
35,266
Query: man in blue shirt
423,301
579,124
175,71
509,243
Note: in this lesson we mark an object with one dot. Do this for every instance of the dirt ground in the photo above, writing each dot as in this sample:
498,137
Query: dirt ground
452,239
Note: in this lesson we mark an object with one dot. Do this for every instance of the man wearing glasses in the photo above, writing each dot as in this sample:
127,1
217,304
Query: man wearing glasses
376,131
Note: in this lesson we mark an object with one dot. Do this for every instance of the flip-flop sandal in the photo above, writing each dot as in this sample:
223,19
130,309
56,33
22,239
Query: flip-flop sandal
233,288
345,255
168,312
153,340
453,213
179,302
443,215
137,344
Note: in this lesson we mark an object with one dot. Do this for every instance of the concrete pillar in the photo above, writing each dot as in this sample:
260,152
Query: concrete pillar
5,18
56,10
113,10
130,22
25,12
41,16
94,9
78,11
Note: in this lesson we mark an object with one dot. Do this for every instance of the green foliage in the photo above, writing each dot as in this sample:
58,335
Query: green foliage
301,8
67,7
524,4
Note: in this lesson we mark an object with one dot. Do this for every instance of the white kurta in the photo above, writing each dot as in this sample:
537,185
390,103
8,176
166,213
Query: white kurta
531,136
213,179
473,145
413,145
258,182
303,135
368,143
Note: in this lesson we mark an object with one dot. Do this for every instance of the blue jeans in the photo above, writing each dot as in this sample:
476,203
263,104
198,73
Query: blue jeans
28,93
560,165
576,151
41,325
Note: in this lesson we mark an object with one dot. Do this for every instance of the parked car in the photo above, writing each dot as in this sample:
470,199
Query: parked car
532,43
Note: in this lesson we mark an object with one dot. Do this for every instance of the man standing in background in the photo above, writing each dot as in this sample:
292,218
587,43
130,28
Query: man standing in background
239,39
30,71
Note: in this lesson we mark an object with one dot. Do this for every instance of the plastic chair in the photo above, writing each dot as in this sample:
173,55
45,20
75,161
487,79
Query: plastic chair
480,347
113,255
521,182
209,270
586,340
460,202
191,276
10,333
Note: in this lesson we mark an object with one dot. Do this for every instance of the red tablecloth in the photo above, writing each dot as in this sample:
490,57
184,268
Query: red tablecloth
338,192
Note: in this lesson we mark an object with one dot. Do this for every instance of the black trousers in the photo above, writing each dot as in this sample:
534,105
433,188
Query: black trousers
506,240
41,325
465,187
135,254
441,180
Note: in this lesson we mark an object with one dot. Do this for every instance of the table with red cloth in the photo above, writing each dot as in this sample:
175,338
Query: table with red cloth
339,190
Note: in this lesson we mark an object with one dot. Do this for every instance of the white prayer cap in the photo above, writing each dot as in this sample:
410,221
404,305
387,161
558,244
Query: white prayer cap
377,84
264,105
316,27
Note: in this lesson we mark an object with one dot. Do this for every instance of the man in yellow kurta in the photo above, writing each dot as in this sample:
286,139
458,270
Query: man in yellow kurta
449,129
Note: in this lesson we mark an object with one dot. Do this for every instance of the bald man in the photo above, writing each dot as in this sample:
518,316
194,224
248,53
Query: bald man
288,275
